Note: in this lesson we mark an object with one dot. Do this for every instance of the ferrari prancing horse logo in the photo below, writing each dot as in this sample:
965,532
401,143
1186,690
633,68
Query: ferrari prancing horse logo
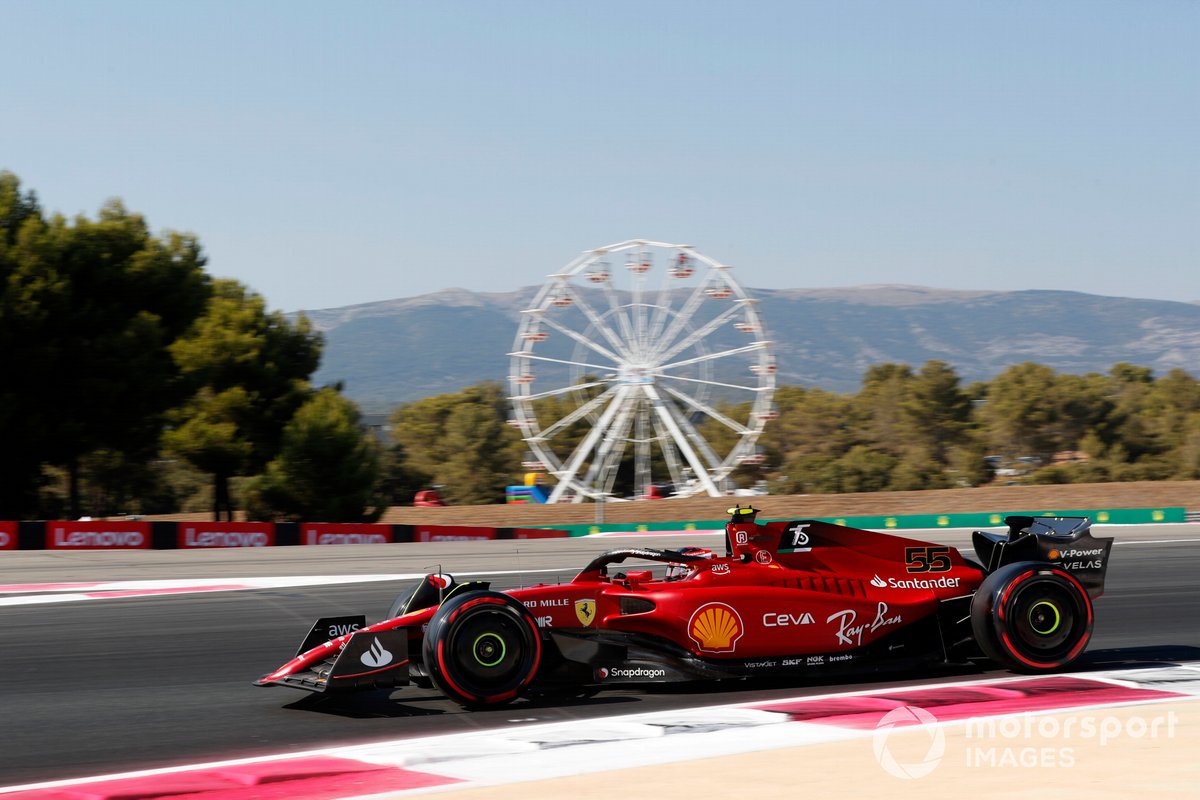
585,610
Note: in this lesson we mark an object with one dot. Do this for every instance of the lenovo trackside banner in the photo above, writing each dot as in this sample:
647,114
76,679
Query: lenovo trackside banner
345,533
452,533
194,535
535,533
8,536
98,535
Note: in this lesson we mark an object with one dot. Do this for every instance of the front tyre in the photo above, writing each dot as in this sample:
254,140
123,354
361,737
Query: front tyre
1032,617
482,649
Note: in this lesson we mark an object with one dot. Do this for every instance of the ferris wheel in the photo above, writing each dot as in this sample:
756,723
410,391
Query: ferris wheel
641,368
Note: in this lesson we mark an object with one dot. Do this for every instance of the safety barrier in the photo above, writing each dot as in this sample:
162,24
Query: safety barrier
134,534
990,519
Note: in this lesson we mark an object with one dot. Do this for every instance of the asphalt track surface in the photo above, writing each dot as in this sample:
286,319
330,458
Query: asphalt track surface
97,687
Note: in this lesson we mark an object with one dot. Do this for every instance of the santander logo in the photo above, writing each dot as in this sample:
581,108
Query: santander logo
878,582
376,656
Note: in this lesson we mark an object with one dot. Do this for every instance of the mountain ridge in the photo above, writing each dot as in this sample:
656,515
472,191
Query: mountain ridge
393,351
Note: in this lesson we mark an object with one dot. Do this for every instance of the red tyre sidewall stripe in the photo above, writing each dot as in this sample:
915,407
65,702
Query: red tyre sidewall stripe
1075,651
496,698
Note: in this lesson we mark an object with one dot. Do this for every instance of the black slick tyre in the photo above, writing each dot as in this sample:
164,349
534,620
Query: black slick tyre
1032,617
482,649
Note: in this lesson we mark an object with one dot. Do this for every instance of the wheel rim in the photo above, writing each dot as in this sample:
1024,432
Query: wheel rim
1048,618
488,650
1044,617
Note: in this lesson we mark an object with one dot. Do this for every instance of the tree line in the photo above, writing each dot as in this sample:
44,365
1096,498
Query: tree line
136,383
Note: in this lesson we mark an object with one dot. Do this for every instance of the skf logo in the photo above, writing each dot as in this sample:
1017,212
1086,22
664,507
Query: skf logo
585,611
716,628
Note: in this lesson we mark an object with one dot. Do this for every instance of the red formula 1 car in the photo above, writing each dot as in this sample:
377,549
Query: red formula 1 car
803,598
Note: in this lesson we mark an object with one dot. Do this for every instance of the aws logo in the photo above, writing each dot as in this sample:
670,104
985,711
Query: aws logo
716,628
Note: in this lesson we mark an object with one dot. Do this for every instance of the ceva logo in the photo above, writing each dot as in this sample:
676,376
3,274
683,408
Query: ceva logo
716,628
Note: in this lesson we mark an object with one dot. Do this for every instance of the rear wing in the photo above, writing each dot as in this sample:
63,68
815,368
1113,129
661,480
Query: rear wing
1065,542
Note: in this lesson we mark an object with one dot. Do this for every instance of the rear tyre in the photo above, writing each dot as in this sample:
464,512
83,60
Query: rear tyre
1032,617
482,649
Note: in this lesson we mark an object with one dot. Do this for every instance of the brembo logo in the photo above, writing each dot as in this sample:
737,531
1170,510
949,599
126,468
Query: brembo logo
376,656
716,628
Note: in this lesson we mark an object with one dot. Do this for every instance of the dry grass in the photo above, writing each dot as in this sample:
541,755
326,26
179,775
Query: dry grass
1146,494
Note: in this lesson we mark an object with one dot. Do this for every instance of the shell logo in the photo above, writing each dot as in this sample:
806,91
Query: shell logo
716,628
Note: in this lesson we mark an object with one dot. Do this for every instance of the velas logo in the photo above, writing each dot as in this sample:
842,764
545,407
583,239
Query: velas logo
376,655
716,628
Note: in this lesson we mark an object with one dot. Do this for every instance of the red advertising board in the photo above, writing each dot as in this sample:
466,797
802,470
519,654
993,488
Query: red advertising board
345,533
101,534
194,535
8,536
537,533
452,533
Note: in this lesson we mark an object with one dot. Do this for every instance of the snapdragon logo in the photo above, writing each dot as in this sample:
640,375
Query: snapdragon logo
605,673
906,717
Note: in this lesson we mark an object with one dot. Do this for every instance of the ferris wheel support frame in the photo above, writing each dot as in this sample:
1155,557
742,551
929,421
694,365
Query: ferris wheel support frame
640,333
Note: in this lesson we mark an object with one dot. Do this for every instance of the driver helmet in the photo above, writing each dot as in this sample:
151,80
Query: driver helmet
677,570
742,514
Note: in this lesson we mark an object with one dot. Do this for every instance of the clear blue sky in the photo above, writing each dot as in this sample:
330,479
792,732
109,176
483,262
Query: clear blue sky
336,153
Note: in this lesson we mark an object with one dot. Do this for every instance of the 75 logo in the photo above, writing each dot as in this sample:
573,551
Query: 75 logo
927,559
